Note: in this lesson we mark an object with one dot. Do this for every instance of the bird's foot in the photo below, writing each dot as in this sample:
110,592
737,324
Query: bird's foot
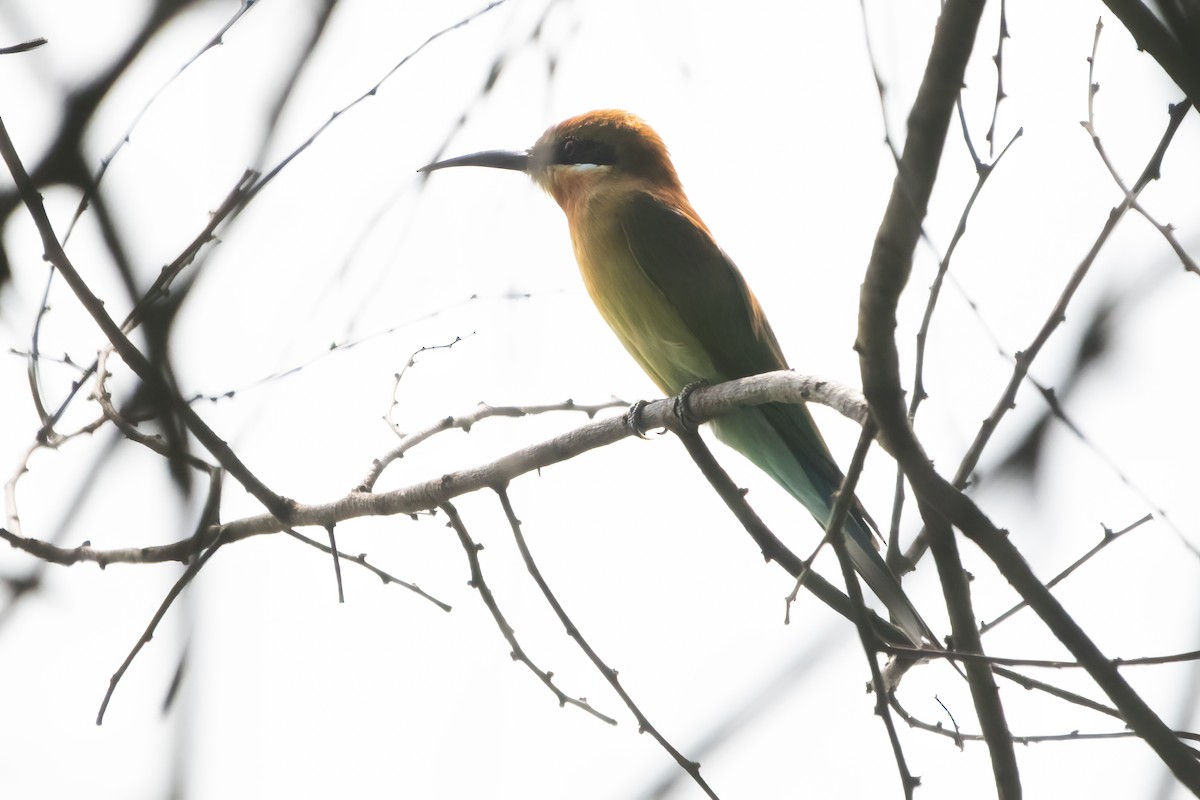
633,418
682,411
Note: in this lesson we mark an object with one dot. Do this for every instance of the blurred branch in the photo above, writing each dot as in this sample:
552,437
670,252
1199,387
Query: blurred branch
287,90
370,92
65,158
246,190
23,47
338,347
153,442
278,506
1179,57
229,208
210,514
213,41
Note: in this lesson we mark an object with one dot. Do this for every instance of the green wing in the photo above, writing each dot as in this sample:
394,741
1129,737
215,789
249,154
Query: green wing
703,286
711,297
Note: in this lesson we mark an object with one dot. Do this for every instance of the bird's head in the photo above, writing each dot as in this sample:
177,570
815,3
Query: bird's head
579,158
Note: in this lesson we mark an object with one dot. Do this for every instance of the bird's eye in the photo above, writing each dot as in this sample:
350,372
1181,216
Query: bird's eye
573,150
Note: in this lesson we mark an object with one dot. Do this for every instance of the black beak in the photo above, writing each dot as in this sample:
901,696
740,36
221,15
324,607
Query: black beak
500,159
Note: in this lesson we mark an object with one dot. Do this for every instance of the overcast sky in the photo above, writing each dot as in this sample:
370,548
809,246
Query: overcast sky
773,119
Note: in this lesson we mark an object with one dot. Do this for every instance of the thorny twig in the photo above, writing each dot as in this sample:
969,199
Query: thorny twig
644,725
478,583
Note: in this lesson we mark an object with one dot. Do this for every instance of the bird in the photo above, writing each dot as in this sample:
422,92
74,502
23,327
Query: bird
682,309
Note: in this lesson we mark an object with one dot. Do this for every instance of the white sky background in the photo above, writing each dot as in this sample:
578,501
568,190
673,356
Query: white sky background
773,122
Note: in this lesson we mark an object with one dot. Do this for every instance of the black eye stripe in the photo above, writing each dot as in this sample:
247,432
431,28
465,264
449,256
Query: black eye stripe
573,150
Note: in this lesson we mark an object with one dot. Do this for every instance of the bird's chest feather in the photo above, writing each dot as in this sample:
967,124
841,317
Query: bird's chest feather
642,317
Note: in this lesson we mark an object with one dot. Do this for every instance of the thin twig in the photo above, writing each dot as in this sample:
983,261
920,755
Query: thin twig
870,643
337,562
1040,663
184,579
1166,230
130,354
1024,359
887,275
361,560
518,653
773,549
466,421
1074,736
213,41
249,187
399,376
895,559
229,208
705,403
692,768
998,60
985,695
1108,538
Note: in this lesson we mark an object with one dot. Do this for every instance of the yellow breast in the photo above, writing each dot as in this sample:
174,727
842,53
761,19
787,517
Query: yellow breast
636,310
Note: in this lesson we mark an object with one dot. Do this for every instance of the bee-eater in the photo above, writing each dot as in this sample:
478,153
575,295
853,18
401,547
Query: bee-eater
680,306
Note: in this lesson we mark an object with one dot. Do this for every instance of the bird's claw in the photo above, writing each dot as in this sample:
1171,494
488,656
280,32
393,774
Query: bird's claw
682,411
633,418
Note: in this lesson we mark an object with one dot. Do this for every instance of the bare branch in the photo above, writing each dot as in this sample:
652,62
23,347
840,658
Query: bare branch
644,725
518,653
1073,736
1025,358
1041,663
870,643
184,579
412,361
1089,125
704,404
1109,537
998,60
773,549
887,275
466,421
361,560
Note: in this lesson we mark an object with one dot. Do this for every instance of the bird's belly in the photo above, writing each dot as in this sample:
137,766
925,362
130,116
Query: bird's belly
646,323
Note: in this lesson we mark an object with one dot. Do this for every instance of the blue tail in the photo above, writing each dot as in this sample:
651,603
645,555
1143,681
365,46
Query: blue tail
783,441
